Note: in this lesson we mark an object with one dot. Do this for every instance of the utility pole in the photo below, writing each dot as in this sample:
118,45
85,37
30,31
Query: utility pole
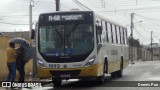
132,26
136,2
57,5
151,45
159,49
30,16
103,3
34,71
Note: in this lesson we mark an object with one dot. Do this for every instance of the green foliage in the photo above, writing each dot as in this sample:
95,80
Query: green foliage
136,42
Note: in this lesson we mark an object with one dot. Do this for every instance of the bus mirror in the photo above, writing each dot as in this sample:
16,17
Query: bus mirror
32,34
99,29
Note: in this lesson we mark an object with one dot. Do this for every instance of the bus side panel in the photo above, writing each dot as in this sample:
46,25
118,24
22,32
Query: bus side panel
126,59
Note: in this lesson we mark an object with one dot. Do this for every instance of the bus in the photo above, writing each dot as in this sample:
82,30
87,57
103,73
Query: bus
80,45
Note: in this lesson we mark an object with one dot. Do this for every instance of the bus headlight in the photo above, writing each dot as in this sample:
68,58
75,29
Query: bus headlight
90,62
40,63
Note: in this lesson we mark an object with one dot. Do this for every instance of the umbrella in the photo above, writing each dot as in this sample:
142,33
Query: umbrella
29,51
21,41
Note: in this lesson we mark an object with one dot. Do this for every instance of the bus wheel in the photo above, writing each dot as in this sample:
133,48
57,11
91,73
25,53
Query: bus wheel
113,74
100,79
57,82
120,72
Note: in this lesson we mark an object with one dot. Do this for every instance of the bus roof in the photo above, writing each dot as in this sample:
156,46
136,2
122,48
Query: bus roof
64,12
110,20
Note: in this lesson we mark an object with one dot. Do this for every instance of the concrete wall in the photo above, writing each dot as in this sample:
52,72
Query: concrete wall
144,54
141,53
4,40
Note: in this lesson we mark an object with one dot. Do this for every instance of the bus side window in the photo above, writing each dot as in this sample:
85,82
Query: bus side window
120,35
123,35
126,37
98,32
111,32
107,32
116,34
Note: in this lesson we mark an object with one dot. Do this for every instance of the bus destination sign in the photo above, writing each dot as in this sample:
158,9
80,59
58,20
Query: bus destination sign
65,17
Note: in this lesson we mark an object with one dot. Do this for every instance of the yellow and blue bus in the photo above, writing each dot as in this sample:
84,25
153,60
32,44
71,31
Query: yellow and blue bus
80,45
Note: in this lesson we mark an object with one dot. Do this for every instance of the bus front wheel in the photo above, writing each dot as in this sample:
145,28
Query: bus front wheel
101,78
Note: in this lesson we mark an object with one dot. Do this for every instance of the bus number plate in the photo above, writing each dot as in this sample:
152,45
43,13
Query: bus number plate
54,65
65,75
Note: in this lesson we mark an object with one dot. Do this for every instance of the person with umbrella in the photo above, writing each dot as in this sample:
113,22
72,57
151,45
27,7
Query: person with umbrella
20,63
11,62
20,60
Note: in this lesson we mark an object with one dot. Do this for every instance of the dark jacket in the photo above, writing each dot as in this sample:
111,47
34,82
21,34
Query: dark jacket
20,56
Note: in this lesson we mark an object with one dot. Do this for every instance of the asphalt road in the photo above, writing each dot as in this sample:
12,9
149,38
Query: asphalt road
139,76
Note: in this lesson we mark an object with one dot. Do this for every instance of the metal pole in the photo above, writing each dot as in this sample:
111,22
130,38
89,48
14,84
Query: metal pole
57,5
136,2
34,67
132,26
159,49
103,3
30,18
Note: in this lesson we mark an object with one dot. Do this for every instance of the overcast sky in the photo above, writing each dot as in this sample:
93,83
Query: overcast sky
14,14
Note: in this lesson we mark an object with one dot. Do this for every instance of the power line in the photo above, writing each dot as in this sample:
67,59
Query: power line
155,20
141,36
82,4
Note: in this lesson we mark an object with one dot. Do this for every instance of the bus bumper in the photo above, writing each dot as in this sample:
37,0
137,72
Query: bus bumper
91,71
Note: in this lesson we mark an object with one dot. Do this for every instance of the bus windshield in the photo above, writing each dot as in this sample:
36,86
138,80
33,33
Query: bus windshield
65,39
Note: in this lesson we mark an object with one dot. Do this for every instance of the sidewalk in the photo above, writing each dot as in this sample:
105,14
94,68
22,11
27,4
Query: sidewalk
135,61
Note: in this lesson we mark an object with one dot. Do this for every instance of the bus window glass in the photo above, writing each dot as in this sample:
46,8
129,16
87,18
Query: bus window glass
120,35
106,31
126,36
116,34
111,33
123,36
99,31
103,36
72,39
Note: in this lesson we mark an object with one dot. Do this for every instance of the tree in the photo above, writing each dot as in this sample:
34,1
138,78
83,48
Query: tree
136,42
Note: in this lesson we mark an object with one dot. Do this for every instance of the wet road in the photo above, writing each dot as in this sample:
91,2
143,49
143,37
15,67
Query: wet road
139,76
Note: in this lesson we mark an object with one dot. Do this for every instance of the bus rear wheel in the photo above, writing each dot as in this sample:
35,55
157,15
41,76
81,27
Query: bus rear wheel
113,74
120,72
57,82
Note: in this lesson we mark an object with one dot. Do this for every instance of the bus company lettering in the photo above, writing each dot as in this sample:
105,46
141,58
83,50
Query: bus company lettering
72,17
65,17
